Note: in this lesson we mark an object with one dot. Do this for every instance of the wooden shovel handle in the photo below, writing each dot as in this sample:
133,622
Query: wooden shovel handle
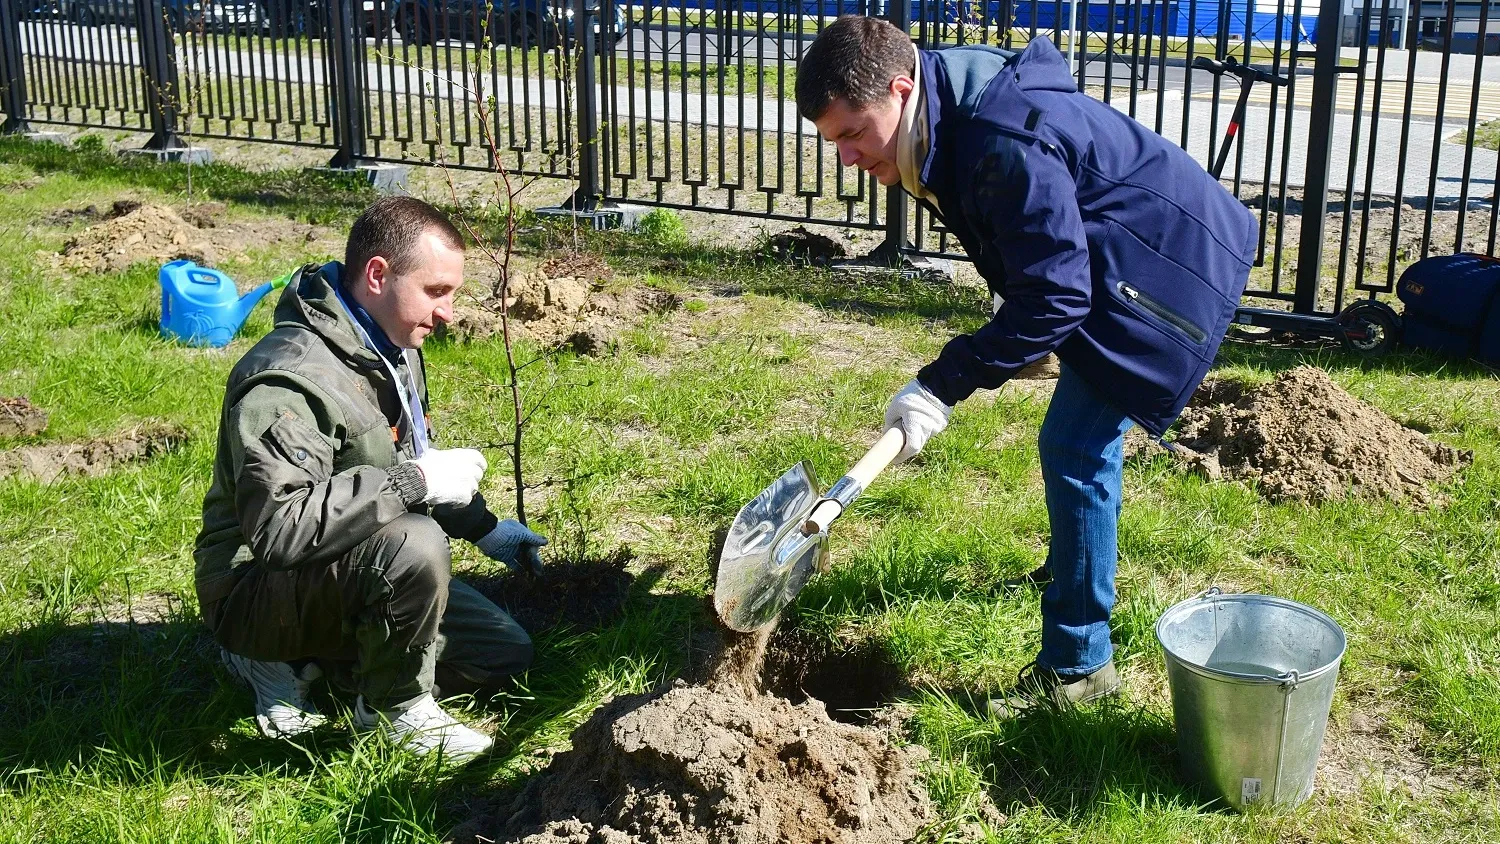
879,456
862,473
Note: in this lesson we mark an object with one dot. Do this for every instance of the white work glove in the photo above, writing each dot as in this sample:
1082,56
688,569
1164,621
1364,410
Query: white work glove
919,414
452,474
515,545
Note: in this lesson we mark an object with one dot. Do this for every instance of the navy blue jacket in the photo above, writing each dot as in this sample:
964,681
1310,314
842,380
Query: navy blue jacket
1111,246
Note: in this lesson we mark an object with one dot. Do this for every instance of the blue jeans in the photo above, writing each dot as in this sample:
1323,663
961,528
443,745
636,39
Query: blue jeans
1082,449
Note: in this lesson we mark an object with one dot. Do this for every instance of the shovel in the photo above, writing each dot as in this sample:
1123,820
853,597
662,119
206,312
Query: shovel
781,536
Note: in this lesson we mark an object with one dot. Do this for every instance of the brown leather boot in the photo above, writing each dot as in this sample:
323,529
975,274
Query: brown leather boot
1038,687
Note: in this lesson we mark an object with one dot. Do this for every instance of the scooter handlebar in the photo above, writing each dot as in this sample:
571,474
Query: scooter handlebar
1239,71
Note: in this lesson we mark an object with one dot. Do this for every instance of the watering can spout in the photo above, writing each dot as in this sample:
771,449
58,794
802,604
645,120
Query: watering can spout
247,303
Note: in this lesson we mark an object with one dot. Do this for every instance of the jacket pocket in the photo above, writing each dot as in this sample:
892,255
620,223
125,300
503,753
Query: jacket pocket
300,445
1181,324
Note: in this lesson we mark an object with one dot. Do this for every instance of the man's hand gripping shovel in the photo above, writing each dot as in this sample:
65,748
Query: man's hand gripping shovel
781,537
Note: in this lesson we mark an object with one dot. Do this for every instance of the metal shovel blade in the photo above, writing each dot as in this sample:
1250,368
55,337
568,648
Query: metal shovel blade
759,573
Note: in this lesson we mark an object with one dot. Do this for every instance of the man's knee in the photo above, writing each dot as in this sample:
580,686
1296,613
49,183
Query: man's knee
416,557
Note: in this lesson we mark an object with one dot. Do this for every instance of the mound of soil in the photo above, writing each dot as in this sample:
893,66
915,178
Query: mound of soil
570,311
797,245
581,595
20,418
48,462
701,764
90,213
1303,438
130,232
147,233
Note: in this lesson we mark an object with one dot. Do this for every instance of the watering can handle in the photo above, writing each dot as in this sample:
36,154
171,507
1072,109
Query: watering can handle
843,493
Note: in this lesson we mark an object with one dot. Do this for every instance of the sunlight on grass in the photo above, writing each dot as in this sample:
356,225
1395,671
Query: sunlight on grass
121,727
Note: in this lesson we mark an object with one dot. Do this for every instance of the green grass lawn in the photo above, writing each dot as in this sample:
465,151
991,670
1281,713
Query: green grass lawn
1486,136
120,726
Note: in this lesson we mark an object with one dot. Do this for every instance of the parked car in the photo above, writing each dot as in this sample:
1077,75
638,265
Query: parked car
287,18
526,23
182,15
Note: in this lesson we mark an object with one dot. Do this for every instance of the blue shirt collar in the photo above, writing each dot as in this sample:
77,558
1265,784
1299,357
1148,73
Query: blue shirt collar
383,345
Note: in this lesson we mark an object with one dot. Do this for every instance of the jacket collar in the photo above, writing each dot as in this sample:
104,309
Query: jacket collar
954,81
913,142
312,302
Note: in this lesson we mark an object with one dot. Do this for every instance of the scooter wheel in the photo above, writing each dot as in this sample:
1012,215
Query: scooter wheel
1371,328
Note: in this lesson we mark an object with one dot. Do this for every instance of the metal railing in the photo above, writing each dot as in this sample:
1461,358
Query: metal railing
1370,157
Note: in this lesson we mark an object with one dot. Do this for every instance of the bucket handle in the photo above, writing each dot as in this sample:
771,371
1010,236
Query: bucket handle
1210,591
1289,681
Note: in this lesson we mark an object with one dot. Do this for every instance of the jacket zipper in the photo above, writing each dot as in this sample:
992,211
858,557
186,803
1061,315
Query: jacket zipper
1166,314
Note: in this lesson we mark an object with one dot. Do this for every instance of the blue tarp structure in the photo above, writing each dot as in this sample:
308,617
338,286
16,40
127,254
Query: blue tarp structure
1175,18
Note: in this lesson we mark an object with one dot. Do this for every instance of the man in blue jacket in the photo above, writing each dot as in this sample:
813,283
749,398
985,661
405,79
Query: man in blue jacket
1105,243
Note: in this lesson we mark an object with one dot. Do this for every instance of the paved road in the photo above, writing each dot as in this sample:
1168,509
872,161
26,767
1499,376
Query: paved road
440,76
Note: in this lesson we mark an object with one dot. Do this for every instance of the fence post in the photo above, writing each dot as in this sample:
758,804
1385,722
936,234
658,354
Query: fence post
586,99
12,69
892,250
588,201
1319,158
159,63
346,94
895,250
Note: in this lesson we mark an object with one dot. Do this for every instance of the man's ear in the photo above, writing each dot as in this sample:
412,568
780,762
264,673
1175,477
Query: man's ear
902,85
375,276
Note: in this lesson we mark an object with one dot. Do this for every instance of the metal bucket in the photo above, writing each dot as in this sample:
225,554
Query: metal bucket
1252,679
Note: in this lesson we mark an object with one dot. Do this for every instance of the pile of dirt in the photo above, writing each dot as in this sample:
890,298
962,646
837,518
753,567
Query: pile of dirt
90,213
20,418
1301,437
146,233
131,232
718,762
94,457
580,311
800,246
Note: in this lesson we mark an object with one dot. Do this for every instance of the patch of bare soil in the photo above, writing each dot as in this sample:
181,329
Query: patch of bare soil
563,304
722,762
578,594
797,245
147,608
1362,747
46,463
20,418
131,232
1046,369
1303,438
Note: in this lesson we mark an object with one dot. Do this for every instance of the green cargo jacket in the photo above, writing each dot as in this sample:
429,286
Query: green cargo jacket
311,447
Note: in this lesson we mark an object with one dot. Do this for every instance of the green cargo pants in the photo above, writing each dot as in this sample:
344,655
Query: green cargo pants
388,617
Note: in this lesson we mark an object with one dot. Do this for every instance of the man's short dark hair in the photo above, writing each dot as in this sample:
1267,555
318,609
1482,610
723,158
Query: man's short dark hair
854,59
390,228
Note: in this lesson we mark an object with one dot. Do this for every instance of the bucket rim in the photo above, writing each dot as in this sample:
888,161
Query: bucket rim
1214,596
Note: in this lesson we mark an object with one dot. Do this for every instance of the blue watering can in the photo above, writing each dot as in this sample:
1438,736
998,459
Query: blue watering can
201,307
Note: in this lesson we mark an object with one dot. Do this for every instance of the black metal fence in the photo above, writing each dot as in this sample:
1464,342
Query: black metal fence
1379,150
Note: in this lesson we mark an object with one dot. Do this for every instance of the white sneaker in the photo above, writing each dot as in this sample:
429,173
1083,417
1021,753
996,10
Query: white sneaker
423,728
282,709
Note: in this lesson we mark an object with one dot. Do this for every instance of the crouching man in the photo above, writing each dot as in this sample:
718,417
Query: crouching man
325,534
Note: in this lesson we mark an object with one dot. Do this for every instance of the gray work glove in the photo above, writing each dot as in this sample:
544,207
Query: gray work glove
452,474
515,545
